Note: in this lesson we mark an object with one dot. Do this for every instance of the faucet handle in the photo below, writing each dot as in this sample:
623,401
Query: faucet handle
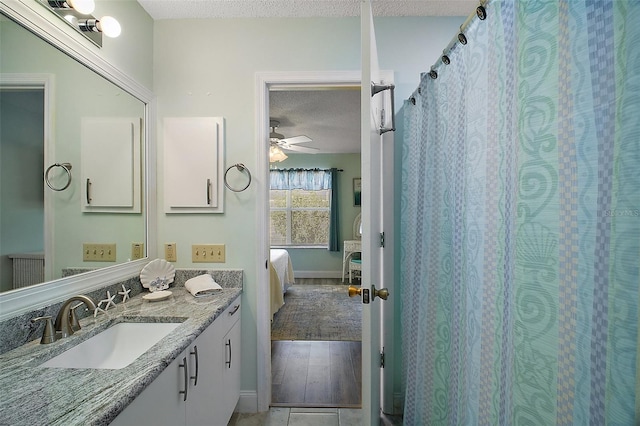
73,318
48,335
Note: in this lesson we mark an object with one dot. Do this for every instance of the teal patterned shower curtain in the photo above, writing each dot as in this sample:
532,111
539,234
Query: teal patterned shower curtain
520,221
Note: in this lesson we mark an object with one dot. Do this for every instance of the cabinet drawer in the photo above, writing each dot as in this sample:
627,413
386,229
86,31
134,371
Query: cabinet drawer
230,315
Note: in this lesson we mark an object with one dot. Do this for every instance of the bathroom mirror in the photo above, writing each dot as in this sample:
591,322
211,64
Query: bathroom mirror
46,94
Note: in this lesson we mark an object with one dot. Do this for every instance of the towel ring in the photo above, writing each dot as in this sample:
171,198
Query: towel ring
241,168
66,167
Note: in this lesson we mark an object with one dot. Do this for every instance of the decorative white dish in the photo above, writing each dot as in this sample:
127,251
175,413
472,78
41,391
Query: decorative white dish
157,296
157,268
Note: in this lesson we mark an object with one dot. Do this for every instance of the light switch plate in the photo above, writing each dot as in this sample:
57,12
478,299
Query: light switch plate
98,252
208,253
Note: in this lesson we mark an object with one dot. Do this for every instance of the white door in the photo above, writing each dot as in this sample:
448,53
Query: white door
377,208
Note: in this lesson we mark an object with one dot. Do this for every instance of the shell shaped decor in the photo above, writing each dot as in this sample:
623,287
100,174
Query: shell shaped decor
157,268
537,245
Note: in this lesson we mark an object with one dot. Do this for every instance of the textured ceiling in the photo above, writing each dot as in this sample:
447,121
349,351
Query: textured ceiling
182,9
330,117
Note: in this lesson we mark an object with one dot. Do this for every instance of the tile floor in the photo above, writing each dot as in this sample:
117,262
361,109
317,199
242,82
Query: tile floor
281,416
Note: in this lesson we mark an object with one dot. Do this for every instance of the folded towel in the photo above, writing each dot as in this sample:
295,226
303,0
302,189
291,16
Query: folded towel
202,285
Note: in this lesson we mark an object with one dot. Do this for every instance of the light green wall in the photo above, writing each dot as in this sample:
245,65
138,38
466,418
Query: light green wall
132,51
207,67
320,261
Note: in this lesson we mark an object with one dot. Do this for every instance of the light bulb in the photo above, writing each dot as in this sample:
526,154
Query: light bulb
109,26
82,6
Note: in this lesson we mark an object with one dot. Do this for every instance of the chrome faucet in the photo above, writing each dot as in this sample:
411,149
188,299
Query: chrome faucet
66,322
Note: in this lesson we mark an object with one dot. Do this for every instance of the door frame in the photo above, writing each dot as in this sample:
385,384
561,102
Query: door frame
44,82
264,82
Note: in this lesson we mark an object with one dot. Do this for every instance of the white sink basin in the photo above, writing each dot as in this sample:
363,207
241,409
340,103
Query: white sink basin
114,348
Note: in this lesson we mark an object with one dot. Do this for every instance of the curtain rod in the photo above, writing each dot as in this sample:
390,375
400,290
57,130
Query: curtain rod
305,170
460,38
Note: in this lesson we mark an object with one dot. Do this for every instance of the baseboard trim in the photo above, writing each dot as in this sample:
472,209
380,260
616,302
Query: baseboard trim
317,274
248,402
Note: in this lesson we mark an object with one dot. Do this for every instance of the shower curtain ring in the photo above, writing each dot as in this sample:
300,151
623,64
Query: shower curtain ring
481,12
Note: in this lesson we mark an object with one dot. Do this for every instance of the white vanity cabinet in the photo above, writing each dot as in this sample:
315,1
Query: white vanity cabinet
209,370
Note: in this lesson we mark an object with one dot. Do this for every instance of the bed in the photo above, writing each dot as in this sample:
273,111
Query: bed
280,277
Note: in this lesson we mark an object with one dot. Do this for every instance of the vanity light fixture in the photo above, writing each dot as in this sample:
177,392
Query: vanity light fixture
276,154
84,7
77,13
107,25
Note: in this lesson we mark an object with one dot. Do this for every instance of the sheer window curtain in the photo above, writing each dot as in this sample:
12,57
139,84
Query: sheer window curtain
313,180
520,224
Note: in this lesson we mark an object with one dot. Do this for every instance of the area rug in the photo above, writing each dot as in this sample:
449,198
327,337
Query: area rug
318,312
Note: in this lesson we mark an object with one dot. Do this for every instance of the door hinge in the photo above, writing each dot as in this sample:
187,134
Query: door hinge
382,239
382,358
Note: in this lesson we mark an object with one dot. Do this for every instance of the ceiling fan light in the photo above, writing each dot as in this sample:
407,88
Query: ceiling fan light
276,155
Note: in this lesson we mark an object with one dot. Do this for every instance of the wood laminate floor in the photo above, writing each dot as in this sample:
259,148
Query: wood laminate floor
316,373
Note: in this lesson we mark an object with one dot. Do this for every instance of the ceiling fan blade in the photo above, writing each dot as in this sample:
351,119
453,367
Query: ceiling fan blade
297,148
296,139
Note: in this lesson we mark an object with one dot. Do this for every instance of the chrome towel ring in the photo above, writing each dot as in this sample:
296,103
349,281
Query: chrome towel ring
241,168
66,167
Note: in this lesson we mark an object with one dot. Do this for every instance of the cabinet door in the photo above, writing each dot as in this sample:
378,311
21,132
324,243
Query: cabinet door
193,162
110,165
231,370
204,361
220,398
161,403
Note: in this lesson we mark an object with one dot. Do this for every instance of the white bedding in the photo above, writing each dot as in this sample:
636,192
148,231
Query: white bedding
281,277
282,264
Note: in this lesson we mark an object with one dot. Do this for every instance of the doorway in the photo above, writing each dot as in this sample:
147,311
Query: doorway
265,82
316,335
22,147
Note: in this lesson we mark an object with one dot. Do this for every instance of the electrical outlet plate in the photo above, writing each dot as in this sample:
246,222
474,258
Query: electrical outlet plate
98,252
208,253
170,252
137,251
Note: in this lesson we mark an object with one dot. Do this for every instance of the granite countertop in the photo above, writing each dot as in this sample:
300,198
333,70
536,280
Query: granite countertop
34,395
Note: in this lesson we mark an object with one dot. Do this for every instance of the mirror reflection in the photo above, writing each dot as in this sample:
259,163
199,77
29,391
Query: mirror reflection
54,110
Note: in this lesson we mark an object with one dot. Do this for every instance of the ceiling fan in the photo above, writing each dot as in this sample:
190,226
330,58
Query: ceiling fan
288,144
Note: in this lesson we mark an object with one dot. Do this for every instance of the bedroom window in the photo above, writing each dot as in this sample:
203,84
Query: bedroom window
300,217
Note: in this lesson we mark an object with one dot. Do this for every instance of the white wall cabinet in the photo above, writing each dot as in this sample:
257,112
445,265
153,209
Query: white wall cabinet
208,370
193,164
111,164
